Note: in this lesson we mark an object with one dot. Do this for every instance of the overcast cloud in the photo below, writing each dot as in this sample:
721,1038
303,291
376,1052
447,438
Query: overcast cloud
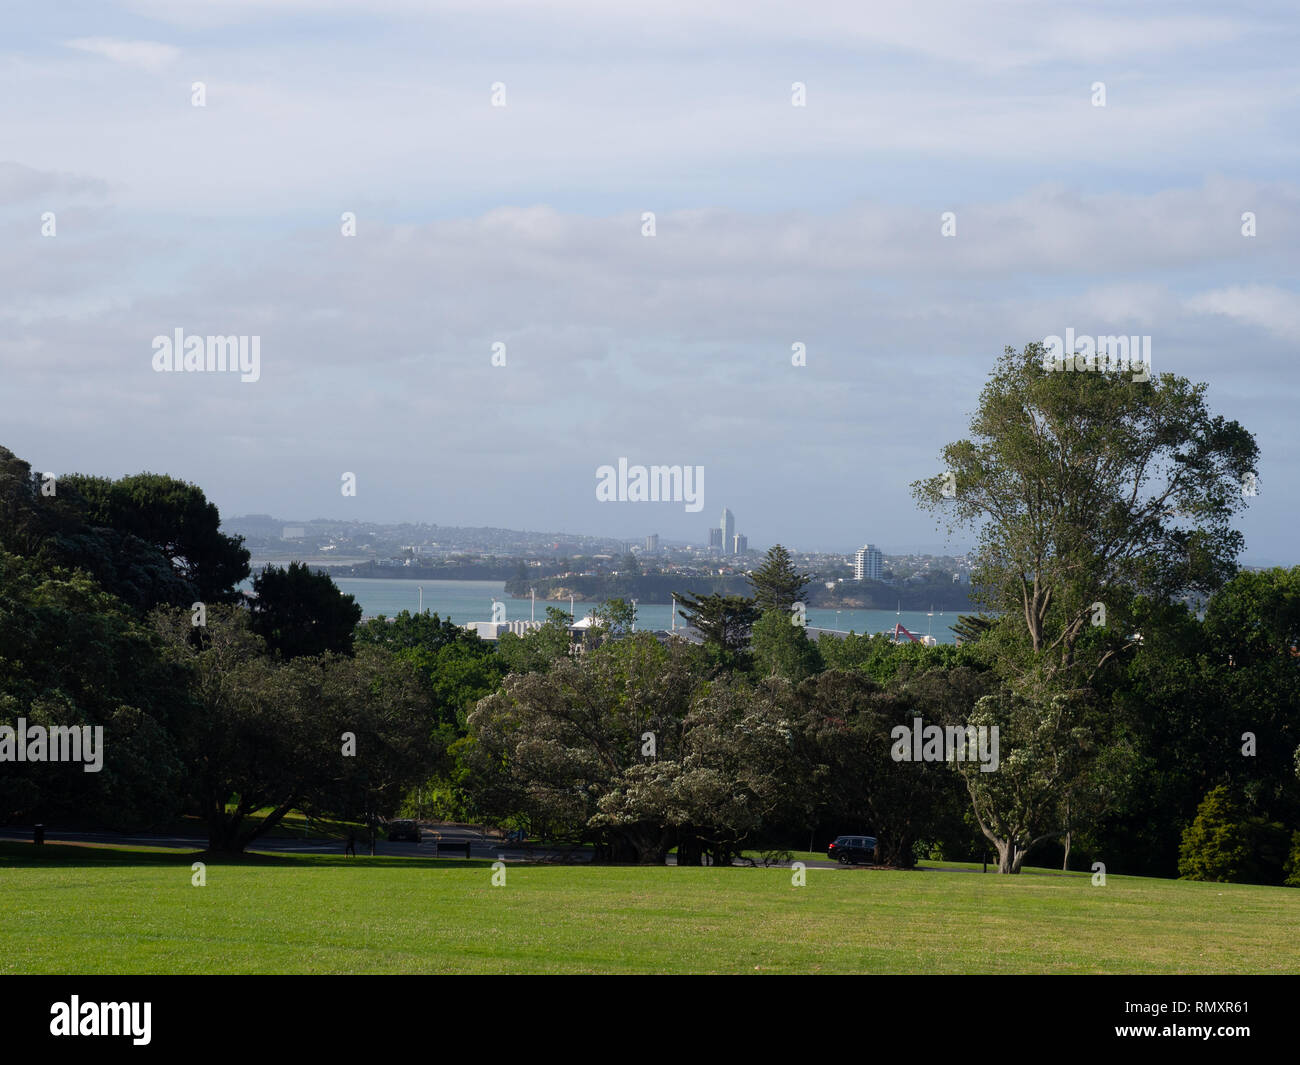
522,225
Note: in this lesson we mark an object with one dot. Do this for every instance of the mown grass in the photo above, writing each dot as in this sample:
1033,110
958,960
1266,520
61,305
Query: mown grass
78,909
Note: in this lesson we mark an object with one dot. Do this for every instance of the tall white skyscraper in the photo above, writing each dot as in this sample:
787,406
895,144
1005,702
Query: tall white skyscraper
867,563
728,531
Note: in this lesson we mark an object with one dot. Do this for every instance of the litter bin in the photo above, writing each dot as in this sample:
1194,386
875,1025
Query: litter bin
38,835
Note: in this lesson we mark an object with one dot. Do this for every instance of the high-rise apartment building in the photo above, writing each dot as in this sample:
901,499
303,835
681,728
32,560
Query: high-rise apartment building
652,544
715,538
867,563
740,543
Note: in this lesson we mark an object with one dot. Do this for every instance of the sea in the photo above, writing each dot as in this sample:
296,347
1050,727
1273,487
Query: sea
464,601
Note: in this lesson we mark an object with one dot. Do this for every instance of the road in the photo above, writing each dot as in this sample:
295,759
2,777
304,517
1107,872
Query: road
480,846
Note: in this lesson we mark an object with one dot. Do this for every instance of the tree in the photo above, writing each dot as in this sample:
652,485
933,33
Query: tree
1216,846
298,612
1044,749
628,749
51,522
547,748
1091,488
72,655
457,669
616,616
970,627
725,623
540,649
777,584
28,518
336,735
175,517
782,649
861,787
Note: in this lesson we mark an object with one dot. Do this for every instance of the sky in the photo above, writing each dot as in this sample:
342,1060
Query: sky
498,159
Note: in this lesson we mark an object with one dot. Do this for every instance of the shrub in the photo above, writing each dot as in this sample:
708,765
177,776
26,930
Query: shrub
1226,844
1293,862
1216,846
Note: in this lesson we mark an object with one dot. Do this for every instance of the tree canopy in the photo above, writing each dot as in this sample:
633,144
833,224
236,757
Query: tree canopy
1092,488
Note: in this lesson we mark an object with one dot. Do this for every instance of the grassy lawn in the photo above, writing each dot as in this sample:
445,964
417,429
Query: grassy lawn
86,909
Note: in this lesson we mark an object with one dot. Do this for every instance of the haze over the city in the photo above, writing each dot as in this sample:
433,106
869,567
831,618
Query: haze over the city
522,225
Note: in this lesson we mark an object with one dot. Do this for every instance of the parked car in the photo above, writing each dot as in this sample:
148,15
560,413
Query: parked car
404,830
853,850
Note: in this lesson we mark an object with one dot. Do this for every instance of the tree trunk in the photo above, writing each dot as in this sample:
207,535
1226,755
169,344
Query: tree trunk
1065,865
689,851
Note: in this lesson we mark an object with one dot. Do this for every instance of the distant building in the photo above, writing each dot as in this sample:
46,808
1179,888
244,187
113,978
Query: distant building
867,563
741,544
652,544
728,530
715,538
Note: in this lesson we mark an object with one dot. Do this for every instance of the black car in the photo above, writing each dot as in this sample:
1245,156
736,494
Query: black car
853,850
404,830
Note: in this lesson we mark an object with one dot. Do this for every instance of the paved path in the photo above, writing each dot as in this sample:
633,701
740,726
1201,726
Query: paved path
481,846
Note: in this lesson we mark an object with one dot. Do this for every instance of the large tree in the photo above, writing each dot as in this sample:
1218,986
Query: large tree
547,748
298,612
176,518
73,655
49,520
1099,500
862,787
777,584
336,735
1092,489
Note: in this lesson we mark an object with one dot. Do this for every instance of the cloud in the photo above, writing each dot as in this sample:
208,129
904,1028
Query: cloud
147,55
1265,306
19,183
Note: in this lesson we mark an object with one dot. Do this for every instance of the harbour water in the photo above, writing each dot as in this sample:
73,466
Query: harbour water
464,601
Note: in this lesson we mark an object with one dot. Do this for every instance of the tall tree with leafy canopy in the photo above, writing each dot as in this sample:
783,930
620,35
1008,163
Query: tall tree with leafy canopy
298,612
1092,488
48,519
334,735
724,621
777,584
175,517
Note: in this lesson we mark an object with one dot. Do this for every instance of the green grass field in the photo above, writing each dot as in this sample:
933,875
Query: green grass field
76,909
